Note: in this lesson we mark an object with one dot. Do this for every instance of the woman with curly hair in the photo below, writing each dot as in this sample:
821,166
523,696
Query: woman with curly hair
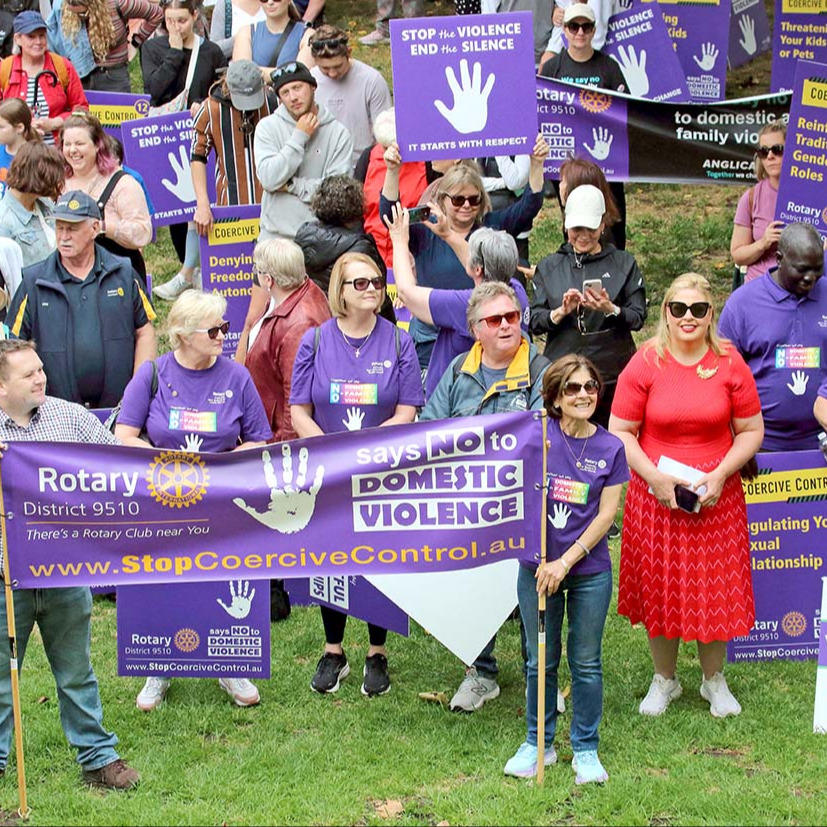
94,35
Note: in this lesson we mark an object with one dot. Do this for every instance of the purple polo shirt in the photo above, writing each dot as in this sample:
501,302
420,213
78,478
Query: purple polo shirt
448,310
783,339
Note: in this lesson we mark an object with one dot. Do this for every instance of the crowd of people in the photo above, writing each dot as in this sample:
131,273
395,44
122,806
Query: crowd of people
299,126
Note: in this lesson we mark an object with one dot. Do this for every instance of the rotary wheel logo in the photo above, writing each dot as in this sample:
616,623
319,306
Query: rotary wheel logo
593,101
794,624
177,479
187,640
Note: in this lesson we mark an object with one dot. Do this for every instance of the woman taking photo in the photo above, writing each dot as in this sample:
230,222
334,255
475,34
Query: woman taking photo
586,471
756,233
279,38
685,572
344,351
184,412
589,296
15,130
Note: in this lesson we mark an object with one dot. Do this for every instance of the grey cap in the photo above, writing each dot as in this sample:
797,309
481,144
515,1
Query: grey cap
246,85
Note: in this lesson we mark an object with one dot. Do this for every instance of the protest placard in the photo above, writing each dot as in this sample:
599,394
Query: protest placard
799,33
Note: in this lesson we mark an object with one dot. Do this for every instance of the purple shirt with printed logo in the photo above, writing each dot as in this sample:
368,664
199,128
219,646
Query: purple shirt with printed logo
783,339
349,393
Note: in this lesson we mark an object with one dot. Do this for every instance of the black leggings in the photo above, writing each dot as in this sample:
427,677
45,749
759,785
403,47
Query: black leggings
334,628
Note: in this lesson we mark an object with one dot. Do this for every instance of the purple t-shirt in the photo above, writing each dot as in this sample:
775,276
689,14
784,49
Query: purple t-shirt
349,393
449,312
574,493
783,339
764,198
218,405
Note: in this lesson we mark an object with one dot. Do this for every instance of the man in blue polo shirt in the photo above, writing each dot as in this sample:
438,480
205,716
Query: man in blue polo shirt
778,323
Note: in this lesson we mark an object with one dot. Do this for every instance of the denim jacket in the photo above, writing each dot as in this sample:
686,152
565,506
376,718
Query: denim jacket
77,50
24,227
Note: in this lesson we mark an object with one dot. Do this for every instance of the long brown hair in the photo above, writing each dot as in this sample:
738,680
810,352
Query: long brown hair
99,26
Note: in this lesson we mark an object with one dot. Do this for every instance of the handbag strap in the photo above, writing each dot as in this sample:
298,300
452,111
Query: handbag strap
274,61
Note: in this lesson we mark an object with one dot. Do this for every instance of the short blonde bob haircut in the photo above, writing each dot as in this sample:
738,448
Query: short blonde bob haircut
193,309
338,277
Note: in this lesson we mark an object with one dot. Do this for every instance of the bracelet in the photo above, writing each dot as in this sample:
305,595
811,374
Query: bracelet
588,551
566,566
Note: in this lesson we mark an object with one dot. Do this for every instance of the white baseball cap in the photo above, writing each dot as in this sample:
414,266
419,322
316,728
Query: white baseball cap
585,207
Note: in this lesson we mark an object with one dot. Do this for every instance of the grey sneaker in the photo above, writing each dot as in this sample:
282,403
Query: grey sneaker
473,692
374,38
172,289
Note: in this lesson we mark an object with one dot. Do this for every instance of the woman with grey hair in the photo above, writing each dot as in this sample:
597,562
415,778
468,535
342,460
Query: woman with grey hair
296,304
173,401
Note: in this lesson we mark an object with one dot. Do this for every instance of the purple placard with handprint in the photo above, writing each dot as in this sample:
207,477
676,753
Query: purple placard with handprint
700,31
749,32
195,630
639,42
463,86
159,149
799,33
585,122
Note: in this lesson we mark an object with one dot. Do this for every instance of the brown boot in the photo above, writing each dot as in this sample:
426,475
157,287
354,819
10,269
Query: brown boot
115,776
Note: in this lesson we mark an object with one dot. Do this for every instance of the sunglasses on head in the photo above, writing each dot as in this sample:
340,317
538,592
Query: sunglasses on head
512,317
459,200
586,28
361,284
573,388
776,149
697,309
328,43
212,332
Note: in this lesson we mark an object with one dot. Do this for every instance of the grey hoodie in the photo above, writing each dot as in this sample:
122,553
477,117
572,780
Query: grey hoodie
286,155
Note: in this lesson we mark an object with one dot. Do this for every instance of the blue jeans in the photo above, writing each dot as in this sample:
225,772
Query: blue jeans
64,618
586,600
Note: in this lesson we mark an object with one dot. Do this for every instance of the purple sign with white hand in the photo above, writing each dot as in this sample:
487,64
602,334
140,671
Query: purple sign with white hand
799,33
159,149
462,85
227,263
802,193
195,630
113,109
749,32
639,41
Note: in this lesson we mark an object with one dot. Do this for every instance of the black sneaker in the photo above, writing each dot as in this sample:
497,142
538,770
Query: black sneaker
330,669
376,680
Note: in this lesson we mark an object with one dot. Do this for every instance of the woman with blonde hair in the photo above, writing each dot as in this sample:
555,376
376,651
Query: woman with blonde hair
687,397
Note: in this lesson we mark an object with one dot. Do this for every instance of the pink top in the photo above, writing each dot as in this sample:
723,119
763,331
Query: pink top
763,214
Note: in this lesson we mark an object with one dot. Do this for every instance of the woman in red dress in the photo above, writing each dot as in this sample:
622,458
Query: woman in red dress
688,396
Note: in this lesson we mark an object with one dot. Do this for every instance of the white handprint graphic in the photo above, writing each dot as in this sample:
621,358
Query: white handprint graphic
602,143
290,507
634,70
355,416
747,41
799,384
182,189
192,443
470,111
560,517
240,601
709,54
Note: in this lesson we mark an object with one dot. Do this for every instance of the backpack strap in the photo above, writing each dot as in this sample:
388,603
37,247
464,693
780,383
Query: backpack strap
5,72
109,189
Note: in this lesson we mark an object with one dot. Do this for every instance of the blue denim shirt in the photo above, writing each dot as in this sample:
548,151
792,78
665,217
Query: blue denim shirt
78,51
24,227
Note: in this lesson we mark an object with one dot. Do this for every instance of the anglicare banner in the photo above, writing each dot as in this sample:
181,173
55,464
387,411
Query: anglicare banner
799,33
788,550
425,497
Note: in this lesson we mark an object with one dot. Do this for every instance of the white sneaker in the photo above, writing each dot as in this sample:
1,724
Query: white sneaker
241,691
721,701
561,703
173,288
661,693
153,694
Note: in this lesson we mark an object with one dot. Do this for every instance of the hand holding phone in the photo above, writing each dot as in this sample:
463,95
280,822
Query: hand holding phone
418,214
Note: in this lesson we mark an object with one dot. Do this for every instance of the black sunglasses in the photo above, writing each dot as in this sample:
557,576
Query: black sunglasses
213,332
586,28
328,43
697,309
361,284
512,317
776,149
591,387
459,200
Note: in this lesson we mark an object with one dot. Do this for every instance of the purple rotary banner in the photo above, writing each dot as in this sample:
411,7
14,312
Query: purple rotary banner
431,496
700,31
159,149
749,32
113,109
462,86
227,263
802,193
639,41
787,526
195,630
799,33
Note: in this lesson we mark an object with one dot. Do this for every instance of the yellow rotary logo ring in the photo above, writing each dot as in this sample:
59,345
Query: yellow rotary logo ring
794,624
187,640
177,479
593,101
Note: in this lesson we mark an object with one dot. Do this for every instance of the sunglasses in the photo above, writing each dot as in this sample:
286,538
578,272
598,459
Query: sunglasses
586,28
213,332
776,149
361,284
512,317
697,309
459,200
573,388
328,43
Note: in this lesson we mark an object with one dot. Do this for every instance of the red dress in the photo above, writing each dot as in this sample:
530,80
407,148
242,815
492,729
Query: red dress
686,575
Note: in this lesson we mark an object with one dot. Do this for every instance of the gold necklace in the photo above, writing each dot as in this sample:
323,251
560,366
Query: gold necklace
577,460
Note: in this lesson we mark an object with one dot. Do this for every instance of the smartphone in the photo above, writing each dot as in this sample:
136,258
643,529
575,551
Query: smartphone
596,285
417,214
687,499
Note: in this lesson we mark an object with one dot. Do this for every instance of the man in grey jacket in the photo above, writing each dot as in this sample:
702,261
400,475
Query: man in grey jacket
295,148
